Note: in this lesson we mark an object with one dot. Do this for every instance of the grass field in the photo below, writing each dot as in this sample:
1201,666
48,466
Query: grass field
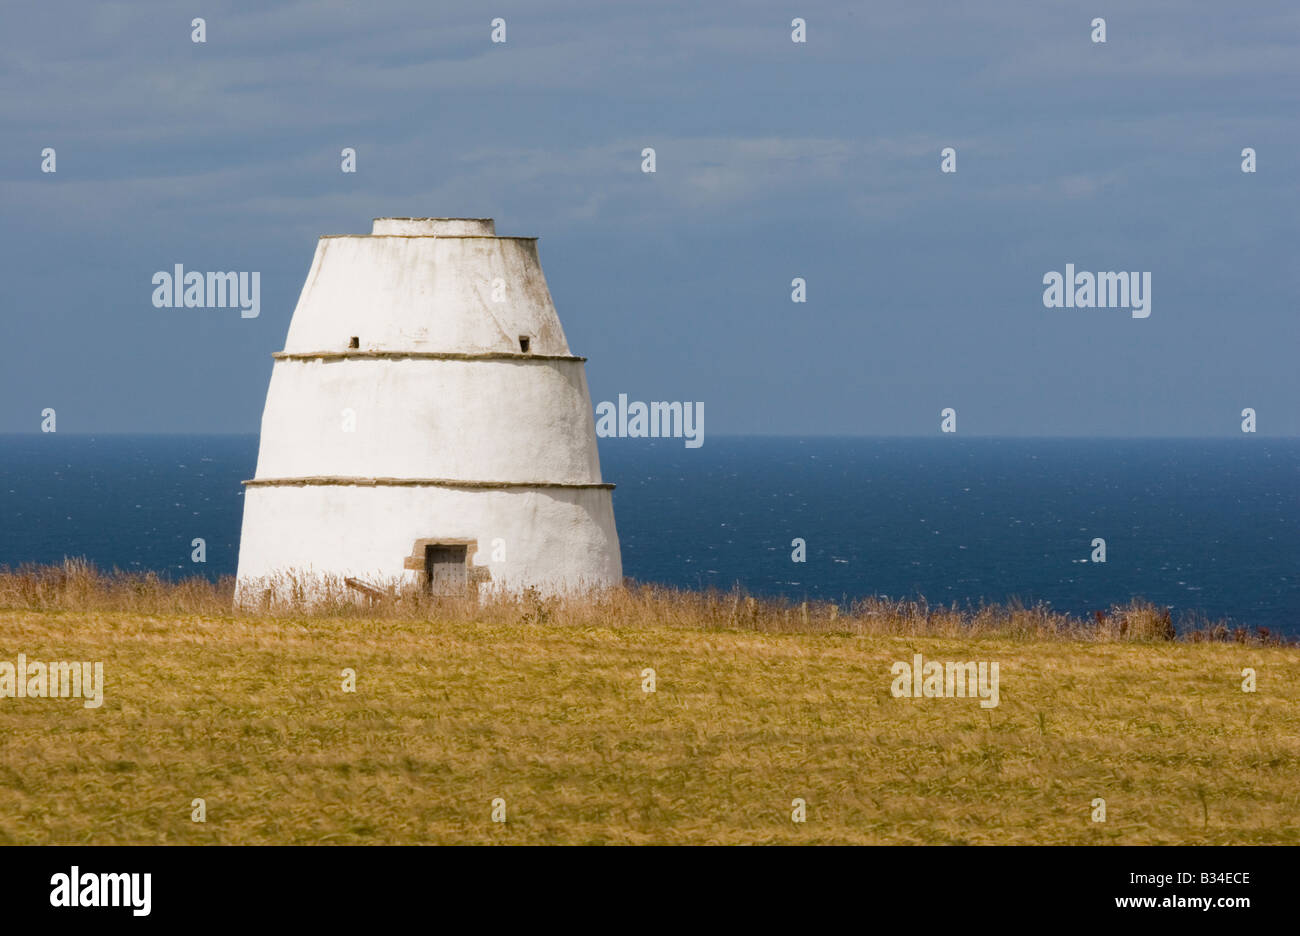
545,709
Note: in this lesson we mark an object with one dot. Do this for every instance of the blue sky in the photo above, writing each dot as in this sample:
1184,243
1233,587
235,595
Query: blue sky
774,159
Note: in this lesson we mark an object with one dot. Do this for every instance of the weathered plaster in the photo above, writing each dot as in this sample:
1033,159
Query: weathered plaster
436,427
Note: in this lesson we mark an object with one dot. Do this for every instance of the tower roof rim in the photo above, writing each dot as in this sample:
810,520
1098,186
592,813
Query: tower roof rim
438,236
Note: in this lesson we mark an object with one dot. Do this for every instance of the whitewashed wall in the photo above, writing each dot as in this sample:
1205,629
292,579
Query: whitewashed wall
439,398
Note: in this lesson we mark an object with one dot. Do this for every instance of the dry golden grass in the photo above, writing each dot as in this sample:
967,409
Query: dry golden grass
76,585
541,703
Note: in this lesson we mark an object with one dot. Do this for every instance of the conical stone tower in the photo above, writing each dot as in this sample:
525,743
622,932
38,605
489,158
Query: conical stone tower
426,424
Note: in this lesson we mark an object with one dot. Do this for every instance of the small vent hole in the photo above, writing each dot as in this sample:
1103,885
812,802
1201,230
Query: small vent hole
354,342
524,342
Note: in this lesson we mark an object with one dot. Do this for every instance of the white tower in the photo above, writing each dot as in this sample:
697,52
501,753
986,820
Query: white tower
427,424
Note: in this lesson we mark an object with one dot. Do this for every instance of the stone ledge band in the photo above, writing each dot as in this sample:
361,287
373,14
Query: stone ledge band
423,355
421,482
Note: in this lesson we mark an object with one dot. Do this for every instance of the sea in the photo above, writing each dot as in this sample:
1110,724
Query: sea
1207,527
